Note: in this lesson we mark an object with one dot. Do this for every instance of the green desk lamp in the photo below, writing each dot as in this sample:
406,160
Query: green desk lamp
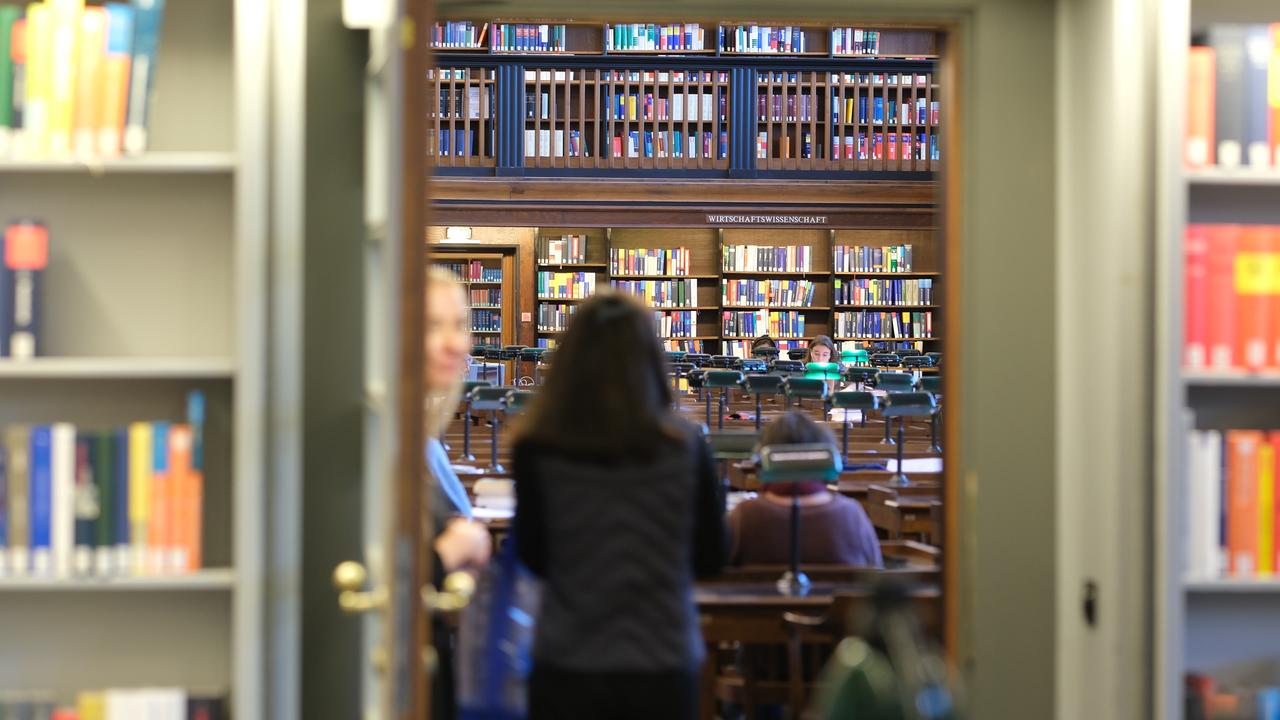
728,445
801,388
855,357
862,400
903,405
519,401
932,384
467,387
494,400
822,371
893,382
724,380
811,462
761,385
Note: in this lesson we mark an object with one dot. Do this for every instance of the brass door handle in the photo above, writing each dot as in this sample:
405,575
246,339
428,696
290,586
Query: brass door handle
349,578
456,595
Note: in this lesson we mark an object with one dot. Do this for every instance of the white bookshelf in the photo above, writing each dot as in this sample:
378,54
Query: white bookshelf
1201,623
157,286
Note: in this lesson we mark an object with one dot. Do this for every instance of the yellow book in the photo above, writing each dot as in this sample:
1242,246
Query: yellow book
65,33
1266,508
140,490
90,79
35,113
91,706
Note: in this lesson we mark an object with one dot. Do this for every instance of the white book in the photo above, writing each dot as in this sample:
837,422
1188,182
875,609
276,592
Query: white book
558,148
677,107
529,147
63,473
1205,557
544,140
708,107
166,704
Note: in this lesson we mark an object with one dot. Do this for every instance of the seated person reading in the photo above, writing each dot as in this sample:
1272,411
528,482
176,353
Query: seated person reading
834,529
823,350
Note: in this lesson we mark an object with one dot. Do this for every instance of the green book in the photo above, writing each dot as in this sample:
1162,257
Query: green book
103,458
9,14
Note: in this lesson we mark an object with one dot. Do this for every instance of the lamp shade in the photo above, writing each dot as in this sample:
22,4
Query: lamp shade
811,462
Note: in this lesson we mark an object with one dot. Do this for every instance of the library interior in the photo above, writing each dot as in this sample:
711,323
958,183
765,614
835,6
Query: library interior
588,361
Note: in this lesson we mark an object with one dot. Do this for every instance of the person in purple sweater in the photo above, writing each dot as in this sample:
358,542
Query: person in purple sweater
834,529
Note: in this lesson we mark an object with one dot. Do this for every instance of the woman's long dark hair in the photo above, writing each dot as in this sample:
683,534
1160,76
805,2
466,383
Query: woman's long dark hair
606,396
821,340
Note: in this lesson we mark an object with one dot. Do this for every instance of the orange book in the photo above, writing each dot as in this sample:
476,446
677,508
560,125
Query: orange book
160,531
116,67
1252,270
1221,296
187,490
1266,508
1242,500
1201,88
89,80
1273,331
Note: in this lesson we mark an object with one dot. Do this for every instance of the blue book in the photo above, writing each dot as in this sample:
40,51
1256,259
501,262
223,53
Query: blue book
42,499
148,15
1257,55
195,418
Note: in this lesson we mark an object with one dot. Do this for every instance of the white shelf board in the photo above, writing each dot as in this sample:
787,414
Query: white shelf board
157,163
117,368
1235,585
1232,379
219,579
1233,176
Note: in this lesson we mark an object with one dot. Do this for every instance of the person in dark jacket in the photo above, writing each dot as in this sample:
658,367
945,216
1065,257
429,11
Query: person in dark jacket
834,529
618,509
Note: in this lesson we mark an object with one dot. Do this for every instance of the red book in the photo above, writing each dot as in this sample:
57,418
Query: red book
1195,298
1253,296
1273,332
1223,240
1201,88
1242,500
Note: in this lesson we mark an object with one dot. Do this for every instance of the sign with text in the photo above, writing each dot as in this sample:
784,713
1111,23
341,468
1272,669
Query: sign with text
737,219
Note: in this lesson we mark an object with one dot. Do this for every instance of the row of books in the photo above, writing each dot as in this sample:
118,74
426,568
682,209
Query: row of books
1250,691
464,74
783,147
670,143
473,271
878,291
628,76
661,293
551,143
689,346
566,285
114,704
486,321
486,297
548,343
1232,490
763,39
865,258
1233,113
679,107
742,348
792,107
651,36
649,261
24,257
457,142
764,258
1232,297
888,325
866,78
865,110
676,324
521,37
75,79
125,501
879,346
778,293
459,34
887,146
555,317
471,102
855,41
786,324
563,250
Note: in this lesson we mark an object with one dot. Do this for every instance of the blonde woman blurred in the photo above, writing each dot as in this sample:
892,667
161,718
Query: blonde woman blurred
448,345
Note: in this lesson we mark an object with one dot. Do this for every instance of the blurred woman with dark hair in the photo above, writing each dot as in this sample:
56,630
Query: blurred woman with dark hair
834,529
618,509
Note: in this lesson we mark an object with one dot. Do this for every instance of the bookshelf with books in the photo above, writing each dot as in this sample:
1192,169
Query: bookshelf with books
774,282
887,289
1218,392
570,264
668,269
660,98
461,130
486,276
150,291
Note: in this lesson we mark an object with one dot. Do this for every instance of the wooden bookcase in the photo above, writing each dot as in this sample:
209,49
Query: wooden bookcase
156,286
481,290
705,246
708,112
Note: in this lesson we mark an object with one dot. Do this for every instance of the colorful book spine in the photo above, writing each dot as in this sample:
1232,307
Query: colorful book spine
117,68
65,19
42,500
90,80
17,445
1257,58
141,495
12,47
1232,297
148,16
62,473
39,81
22,268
